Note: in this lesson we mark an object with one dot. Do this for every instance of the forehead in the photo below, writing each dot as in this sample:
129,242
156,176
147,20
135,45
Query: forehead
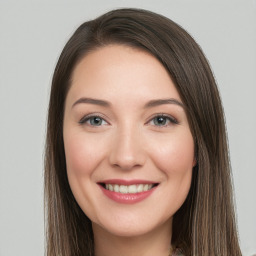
118,71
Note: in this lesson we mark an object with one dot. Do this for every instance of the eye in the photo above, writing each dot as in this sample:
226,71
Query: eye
93,121
163,120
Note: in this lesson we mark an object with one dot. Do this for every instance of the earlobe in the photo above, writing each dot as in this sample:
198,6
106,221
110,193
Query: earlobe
194,162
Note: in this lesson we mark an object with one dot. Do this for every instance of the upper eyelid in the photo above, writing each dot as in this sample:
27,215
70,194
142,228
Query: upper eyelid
87,116
162,115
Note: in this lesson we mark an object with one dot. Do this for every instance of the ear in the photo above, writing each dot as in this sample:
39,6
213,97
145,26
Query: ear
194,162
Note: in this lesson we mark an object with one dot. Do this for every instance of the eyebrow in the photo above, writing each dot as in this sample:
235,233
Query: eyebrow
154,103
151,103
92,101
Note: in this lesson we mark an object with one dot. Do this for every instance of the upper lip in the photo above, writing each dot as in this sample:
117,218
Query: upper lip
126,182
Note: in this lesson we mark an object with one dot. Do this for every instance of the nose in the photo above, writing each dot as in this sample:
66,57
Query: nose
127,149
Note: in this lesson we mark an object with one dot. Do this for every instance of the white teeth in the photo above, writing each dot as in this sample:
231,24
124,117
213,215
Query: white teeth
140,188
131,189
123,189
145,188
116,188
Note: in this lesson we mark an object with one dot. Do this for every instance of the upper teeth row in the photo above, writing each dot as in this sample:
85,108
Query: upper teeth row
128,189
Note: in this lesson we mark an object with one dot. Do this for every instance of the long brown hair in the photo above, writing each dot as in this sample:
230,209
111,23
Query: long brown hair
205,224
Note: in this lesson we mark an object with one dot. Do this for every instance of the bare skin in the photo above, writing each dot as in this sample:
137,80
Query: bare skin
124,120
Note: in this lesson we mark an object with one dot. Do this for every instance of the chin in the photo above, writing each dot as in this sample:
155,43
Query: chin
130,227
124,230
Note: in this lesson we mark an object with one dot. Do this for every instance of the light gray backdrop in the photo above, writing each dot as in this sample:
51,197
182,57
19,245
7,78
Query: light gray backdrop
32,34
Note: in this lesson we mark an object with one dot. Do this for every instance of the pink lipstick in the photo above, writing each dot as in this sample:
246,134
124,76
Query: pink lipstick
127,191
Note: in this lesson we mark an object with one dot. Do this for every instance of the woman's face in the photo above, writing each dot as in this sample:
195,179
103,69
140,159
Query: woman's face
129,150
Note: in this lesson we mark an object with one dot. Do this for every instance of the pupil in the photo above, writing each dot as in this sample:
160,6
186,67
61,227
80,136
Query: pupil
96,121
160,121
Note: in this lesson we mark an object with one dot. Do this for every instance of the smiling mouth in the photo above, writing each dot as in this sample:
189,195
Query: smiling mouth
128,189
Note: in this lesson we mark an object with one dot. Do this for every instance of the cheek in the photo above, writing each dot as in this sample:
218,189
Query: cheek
175,156
83,156
82,153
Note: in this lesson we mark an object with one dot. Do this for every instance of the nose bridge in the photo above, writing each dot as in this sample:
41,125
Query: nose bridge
127,150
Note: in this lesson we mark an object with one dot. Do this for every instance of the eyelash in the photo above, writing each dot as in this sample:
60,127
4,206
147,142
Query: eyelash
88,117
171,119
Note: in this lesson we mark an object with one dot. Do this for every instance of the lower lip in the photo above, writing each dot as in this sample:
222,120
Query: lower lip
127,198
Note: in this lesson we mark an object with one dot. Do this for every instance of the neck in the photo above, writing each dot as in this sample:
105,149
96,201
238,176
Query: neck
156,242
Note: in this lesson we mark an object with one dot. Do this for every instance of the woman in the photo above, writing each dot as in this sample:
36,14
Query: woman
136,154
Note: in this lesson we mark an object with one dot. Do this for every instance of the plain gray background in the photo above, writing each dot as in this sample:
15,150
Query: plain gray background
32,35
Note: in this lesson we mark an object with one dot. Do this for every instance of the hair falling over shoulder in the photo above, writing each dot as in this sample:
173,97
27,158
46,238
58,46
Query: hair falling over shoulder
205,224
